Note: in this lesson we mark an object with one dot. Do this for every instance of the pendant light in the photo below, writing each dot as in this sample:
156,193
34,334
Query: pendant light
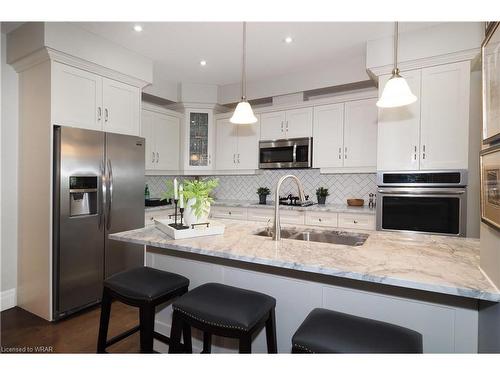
243,114
396,92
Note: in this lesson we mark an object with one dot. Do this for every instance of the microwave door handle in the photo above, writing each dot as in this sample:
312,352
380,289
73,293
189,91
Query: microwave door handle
110,194
294,156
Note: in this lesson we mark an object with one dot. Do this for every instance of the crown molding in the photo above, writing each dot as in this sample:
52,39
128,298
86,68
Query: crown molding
161,109
47,53
370,93
466,55
184,106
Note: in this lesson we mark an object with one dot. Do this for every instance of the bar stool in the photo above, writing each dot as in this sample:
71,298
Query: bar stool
223,310
326,331
145,288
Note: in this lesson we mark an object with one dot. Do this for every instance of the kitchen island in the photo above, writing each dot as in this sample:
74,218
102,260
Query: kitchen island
431,284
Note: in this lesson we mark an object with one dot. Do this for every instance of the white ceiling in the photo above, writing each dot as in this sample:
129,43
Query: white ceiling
177,47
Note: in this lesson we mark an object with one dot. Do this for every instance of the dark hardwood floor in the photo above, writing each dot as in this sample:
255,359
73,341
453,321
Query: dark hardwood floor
76,334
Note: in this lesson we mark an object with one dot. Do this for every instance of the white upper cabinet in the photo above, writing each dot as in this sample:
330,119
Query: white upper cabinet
162,133
293,123
227,145
272,125
444,128
167,133
399,130
85,100
198,140
433,132
345,136
76,97
237,146
122,106
360,134
299,123
147,132
328,136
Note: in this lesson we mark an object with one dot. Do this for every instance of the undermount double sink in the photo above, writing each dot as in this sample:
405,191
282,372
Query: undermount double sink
326,236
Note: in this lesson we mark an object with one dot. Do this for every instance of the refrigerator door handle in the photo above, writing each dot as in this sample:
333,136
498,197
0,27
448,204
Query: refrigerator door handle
110,188
102,201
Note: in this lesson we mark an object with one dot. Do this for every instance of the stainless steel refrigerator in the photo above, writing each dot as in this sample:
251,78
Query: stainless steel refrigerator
98,189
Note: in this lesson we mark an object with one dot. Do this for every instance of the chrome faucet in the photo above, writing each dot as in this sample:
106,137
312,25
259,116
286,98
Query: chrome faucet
276,224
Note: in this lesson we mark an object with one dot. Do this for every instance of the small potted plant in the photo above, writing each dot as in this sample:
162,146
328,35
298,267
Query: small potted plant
321,194
263,192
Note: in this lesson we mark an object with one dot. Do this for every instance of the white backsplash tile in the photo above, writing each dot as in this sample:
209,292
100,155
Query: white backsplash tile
340,186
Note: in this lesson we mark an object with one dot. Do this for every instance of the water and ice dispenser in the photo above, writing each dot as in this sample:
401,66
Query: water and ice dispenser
83,195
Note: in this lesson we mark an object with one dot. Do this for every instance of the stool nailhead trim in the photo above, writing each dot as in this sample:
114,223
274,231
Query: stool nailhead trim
207,322
303,348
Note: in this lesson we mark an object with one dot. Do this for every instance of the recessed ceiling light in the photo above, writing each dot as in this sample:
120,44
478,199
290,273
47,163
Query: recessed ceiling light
203,62
138,28
288,40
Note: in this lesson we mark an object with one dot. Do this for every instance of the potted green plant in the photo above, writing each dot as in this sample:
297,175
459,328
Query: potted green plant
321,194
197,199
263,192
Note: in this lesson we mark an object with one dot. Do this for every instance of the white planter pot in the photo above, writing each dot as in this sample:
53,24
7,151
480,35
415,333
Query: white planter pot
189,213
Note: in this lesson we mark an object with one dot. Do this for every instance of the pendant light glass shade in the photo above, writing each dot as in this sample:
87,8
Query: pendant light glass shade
243,114
396,92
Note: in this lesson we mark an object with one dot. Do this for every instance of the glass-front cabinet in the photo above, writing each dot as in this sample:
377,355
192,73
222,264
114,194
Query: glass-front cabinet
199,139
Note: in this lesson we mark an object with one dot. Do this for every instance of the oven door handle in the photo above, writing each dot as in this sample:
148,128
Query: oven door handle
422,191
294,153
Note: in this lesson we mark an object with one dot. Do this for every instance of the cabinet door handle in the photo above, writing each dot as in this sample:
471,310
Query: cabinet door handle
238,158
153,159
286,125
423,152
282,126
99,113
234,158
157,157
415,153
106,115
345,152
340,152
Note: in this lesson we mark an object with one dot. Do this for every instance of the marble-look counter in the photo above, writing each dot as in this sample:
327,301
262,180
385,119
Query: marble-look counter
441,264
270,205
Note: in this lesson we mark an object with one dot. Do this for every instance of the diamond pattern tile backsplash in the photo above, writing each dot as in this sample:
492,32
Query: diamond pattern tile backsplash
340,186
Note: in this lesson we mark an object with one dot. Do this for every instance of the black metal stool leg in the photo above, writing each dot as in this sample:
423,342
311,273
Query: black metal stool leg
104,322
272,346
175,333
246,344
147,319
207,343
186,336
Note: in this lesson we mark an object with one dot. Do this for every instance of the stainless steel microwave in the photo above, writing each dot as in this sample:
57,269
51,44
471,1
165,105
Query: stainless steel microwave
285,153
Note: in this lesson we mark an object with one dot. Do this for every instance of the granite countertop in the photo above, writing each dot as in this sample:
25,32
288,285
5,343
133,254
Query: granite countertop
441,264
270,205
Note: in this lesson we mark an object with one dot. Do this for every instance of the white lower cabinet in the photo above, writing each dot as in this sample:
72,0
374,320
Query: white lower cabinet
236,213
354,220
322,219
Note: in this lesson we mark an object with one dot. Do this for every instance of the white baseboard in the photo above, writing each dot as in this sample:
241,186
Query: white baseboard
8,299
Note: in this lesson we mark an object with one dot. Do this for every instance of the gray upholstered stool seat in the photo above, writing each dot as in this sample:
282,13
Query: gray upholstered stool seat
326,331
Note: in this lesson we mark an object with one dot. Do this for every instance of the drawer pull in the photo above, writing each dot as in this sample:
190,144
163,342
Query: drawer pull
319,219
355,221
229,212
